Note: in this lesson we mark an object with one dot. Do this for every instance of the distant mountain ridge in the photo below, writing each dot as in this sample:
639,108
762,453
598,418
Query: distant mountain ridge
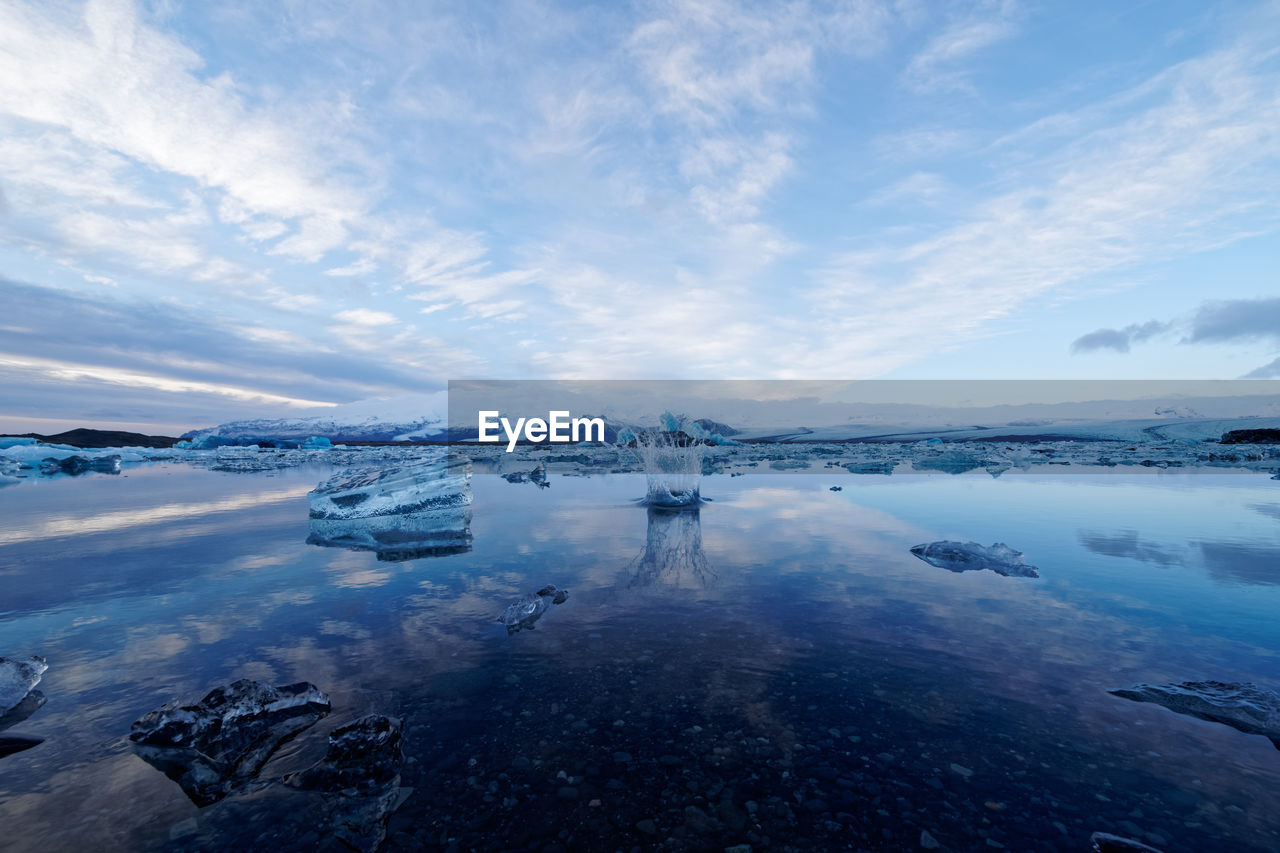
418,417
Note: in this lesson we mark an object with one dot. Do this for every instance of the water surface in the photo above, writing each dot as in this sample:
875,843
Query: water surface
775,669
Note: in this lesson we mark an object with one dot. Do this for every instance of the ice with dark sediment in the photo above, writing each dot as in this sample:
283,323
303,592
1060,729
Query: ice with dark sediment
1242,706
972,557
400,512
213,746
362,771
521,615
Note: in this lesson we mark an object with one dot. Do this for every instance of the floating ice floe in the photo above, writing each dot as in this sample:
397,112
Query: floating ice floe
76,465
538,476
521,615
401,512
19,699
1240,705
972,557
361,767
215,745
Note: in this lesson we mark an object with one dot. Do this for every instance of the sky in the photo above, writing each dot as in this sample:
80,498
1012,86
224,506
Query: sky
210,211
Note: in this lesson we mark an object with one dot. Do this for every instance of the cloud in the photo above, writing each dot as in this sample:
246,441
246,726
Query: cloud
366,318
1236,320
1271,370
1224,321
1118,339
937,68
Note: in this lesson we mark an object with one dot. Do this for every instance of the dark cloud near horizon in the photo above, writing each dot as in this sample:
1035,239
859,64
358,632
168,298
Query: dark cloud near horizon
1227,321
1270,370
1235,320
1119,339
170,342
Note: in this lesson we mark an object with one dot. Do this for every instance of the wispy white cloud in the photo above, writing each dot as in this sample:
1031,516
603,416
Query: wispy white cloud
939,67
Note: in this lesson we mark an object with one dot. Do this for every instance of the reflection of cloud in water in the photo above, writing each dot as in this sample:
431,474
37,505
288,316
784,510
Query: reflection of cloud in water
672,553
1128,544
1240,562
1270,510
105,522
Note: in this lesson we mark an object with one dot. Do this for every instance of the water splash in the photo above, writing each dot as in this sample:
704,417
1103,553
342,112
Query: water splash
672,459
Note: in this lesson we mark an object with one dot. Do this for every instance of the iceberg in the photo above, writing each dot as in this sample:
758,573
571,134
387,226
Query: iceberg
401,513
522,614
972,557
215,745
1242,706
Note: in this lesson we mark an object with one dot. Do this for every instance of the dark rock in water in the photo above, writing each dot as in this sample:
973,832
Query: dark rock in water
1251,436
837,488
213,746
1243,706
18,677
77,465
362,767
521,615
972,557
1105,842
10,744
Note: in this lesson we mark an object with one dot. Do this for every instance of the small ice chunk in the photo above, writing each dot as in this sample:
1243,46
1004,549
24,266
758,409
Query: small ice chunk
18,677
1243,706
521,615
214,745
970,556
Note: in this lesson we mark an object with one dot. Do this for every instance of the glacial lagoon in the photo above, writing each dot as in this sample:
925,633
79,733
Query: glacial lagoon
774,668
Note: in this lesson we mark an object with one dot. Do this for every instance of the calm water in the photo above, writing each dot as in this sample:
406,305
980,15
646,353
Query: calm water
776,669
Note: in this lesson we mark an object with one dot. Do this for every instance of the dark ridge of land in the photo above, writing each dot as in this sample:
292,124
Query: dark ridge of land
96,439
1251,436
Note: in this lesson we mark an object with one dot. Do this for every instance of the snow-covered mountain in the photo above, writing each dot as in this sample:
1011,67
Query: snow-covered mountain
404,418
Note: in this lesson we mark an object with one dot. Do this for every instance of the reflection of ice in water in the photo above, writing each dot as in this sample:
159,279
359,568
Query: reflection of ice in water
672,551
401,513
